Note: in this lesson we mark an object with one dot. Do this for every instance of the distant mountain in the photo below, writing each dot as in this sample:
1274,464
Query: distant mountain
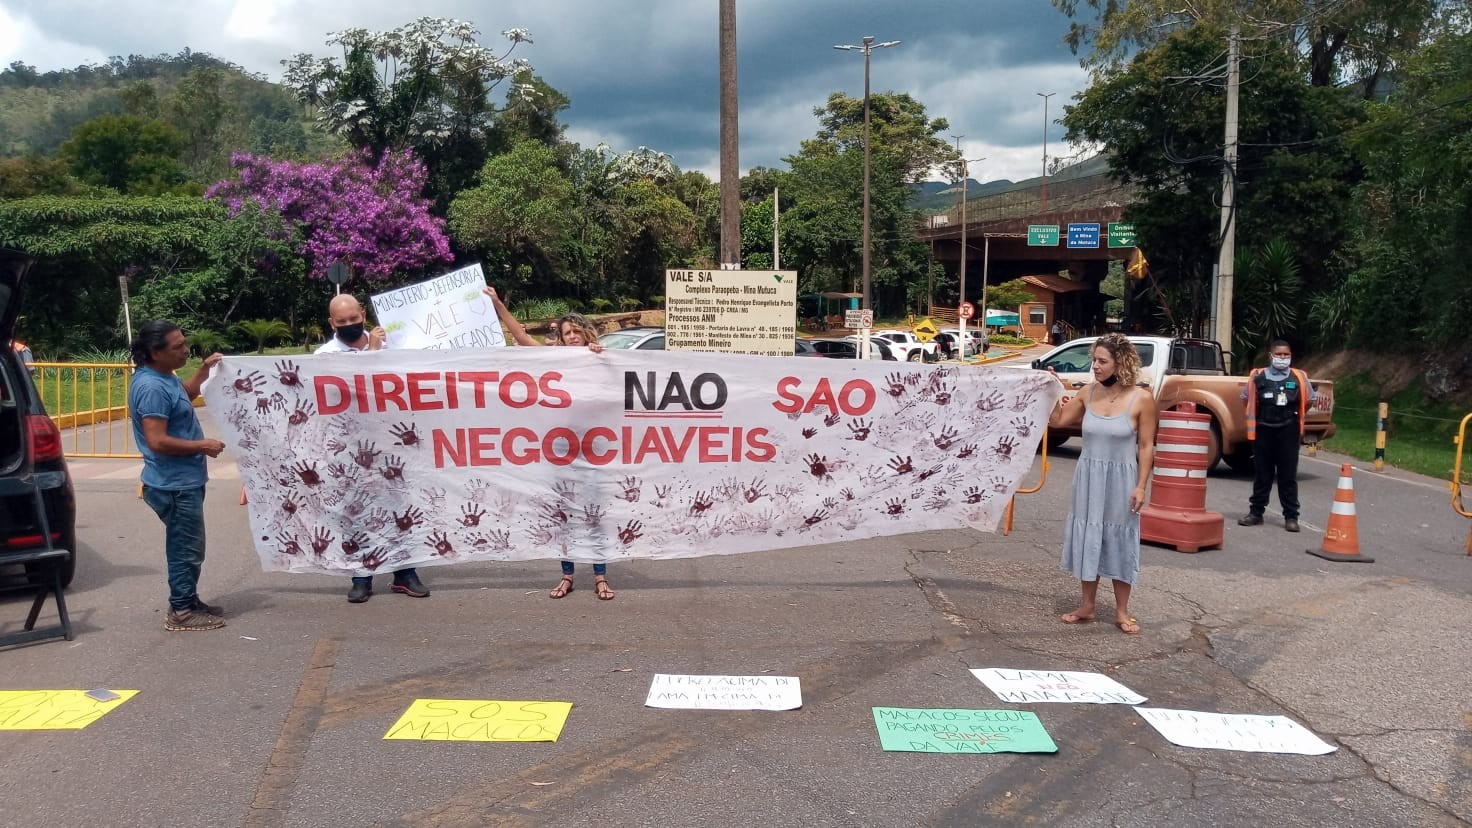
942,196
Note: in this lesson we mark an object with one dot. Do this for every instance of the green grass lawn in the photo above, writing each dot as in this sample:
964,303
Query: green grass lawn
1419,436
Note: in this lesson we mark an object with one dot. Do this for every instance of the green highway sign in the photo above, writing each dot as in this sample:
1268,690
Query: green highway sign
1121,234
1042,235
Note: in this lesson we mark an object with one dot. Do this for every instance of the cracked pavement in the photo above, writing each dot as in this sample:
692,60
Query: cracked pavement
278,718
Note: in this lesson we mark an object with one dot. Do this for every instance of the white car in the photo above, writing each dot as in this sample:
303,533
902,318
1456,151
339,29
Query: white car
907,346
978,337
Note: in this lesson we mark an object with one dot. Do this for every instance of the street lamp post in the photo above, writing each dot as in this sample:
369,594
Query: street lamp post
867,48
965,177
1045,98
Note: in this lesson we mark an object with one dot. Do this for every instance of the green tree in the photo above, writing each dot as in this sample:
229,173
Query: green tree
1411,233
1008,295
132,155
263,331
522,211
34,175
206,118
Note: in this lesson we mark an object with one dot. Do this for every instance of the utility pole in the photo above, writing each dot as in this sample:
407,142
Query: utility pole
1222,318
1045,98
730,153
868,48
965,178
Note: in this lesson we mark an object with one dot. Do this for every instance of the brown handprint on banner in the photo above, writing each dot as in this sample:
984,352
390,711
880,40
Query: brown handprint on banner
701,502
289,544
1004,447
631,489
405,435
832,418
937,503
470,514
440,543
302,413
411,517
263,405
631,532
930,472
565,490
393,469
336,446
945,439
815,518
859,430
247,383
376,520
366,454
477,490
894,507
847,493
991,402
973,495
592,515
553,512
895,386
998,483
818,466
809,433
307,473
967,451
1023,426
754,492
353,544
321,540
373,560
289,504
1023,401
288,374
337,471
901,465
357,506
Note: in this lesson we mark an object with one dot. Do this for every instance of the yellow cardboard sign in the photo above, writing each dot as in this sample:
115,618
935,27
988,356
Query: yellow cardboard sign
54,709
925,330
480,720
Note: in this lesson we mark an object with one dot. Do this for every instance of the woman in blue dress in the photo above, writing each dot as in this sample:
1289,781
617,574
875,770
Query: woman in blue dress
1101,538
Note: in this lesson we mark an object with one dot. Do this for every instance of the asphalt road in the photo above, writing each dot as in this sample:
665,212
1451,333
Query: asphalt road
278,718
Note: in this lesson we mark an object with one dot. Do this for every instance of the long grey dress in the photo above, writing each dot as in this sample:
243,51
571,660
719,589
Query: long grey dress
1102,536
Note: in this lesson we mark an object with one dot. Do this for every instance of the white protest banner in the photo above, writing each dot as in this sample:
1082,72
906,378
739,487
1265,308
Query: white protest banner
1029,686
724,692
1225,731
449,311
354,462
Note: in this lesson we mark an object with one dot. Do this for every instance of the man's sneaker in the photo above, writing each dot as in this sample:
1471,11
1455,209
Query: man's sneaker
410,586
1250,520
362,590
208,609
1291,524
189,620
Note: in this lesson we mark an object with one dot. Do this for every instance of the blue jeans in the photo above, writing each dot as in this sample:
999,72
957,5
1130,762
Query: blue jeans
183,515
598,569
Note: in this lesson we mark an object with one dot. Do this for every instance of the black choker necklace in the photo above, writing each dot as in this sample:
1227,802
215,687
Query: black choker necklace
1109,383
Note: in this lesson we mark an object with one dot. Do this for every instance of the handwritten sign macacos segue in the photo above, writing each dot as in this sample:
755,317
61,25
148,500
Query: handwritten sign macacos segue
961,731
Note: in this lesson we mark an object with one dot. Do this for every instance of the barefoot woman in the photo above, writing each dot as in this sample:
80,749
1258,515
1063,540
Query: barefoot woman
1101,538
572,329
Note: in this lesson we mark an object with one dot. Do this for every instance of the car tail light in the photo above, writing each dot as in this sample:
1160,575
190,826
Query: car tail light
45,438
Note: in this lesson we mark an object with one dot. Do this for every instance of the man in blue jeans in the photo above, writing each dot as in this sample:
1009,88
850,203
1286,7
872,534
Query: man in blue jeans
174,449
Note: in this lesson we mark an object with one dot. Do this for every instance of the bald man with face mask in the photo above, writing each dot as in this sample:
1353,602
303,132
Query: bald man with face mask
351,334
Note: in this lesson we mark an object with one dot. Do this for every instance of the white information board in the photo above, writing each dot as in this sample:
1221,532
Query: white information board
1064,686
725,692
731,311
449,311
1225,731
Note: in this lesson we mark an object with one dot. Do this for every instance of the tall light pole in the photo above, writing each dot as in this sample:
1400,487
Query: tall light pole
868,48
965,178
730,158
1045,97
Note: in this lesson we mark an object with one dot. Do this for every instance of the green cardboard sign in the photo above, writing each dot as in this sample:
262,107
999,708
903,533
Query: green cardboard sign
919,730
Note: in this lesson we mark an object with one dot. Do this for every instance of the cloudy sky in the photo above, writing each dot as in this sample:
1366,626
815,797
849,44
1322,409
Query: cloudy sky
644,72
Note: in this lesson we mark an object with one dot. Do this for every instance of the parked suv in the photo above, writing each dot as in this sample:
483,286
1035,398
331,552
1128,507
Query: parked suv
636,339
30,443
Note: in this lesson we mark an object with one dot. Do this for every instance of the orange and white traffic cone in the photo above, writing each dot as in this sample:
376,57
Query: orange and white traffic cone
242,496
1342,538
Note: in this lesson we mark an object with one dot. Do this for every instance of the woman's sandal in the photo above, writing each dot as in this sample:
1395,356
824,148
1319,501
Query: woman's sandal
564,586
1129,626
601,587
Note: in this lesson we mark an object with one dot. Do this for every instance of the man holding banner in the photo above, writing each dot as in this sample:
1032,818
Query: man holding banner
351,335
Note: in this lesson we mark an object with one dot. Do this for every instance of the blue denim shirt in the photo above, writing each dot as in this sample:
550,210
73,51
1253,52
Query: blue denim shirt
155,394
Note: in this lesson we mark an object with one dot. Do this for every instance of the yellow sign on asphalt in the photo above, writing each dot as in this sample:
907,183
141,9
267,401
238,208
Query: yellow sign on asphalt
476,720
925,330
55,709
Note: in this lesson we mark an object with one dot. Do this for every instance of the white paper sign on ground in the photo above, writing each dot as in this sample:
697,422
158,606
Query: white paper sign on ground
1030,686
725,692
1227,731
449,311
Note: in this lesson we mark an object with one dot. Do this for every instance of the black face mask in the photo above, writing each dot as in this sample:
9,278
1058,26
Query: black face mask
1109,383
350,334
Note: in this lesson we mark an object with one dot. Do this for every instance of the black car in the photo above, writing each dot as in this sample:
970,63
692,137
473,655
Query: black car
30,443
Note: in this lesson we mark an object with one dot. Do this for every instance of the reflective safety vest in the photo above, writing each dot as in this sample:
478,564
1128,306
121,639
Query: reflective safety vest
1304,392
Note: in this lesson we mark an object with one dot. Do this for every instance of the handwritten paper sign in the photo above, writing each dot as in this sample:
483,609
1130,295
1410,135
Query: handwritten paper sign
961,731
54,709
1030,686
725,692
449,311
355,464
1225,731
477,720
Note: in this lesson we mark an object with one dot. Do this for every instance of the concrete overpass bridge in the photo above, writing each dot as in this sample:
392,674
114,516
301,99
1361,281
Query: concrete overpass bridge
996,230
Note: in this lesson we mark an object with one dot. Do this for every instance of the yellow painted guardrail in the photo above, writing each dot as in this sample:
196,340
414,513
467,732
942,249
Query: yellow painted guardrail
1012,501
97,394
1461,441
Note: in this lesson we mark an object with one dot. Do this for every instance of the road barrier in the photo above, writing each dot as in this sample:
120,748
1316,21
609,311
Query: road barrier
96,395
1012,501
1177,513
1342,537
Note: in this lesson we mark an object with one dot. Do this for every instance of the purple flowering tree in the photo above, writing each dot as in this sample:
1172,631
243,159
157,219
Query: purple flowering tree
373,217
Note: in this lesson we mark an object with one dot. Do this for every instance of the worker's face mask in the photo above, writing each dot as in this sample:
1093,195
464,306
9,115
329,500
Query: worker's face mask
1282,363
350,334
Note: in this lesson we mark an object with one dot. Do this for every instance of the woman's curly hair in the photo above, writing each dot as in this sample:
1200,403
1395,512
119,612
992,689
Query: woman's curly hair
1126,358
590,333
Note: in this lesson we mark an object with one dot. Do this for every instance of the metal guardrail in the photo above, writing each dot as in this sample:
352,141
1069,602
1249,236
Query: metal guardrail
96,394
1461,441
